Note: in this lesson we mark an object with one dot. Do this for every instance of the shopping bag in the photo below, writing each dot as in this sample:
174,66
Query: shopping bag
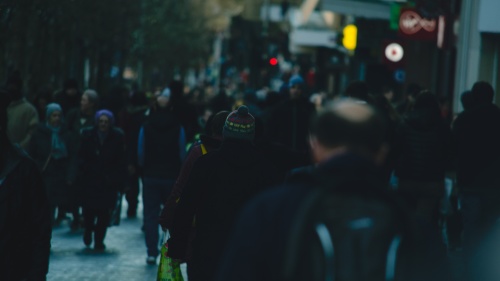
168,270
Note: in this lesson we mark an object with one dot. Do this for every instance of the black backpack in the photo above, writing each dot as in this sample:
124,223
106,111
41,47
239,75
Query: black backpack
349,234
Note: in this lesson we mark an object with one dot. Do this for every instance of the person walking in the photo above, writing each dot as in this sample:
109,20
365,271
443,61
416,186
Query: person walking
219,184
102,163
161,149
423,155
476,139
25,228
23,117
83,116
54,150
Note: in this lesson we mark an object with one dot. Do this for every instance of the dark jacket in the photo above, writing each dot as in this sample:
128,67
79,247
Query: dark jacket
58,172
167,213
476,135
160,145
288,124
422,147
103,168
25,225
220,183
132,120
74,120
258,242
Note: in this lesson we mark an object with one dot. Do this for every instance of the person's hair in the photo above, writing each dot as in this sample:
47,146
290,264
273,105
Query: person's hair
333,128
468,100
92,96
483,92
215,123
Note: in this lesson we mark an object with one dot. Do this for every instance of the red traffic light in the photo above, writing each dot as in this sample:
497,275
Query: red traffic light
273,61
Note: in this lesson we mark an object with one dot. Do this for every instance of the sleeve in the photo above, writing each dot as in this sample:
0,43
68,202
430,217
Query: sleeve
186,209
38,205
167,214
182,144
32,123
141,148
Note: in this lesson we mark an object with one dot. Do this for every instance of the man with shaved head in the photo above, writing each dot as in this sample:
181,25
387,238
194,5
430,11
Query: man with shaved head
347,143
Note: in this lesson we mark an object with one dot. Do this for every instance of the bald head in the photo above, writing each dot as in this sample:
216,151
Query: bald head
351,124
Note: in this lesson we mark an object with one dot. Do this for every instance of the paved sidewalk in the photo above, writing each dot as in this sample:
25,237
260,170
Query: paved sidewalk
124,258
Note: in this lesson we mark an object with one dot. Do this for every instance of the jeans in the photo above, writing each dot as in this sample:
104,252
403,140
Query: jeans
155,192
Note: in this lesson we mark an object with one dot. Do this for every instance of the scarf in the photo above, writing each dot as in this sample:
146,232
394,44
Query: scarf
58,146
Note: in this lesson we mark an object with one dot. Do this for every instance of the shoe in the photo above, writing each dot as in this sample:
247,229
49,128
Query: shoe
87,238
151,260
99,247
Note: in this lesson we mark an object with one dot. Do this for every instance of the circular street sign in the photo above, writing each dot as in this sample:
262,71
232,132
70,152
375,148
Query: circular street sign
394,52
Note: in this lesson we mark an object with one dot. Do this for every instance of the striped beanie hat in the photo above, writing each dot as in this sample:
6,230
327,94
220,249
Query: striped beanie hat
240,125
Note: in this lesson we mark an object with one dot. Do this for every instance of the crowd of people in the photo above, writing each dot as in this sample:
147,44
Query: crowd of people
225,174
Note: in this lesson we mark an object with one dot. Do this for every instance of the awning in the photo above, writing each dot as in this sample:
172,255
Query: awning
359,8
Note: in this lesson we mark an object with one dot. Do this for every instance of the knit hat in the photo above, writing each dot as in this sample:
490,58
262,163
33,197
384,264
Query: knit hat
240,125
51,107
107,113
296,80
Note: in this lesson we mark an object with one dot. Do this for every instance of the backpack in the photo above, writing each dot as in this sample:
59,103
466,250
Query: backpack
345,235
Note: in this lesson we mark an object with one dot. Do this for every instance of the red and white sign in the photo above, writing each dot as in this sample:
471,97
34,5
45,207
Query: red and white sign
412,25
394,52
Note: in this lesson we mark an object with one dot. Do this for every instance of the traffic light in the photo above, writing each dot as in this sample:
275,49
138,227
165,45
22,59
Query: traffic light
273,61
350,37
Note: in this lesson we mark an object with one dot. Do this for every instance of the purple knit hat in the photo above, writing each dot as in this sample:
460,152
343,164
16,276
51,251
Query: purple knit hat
106,112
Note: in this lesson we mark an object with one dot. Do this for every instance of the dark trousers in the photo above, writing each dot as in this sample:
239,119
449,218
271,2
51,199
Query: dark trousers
97,220
132,194
155,192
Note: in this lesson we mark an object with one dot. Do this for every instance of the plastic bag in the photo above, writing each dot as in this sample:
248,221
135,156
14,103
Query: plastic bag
168,270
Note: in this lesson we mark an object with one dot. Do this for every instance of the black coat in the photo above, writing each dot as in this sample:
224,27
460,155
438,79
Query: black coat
25,224
103,167
258,244
219,185
476,134
422,147
58,172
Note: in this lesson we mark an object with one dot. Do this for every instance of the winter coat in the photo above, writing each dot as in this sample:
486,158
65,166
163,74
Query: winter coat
25,224
422,148
220,183
476,135
23,121
76,121
132,120
58,172
103,167
258,244
209,144
161,146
